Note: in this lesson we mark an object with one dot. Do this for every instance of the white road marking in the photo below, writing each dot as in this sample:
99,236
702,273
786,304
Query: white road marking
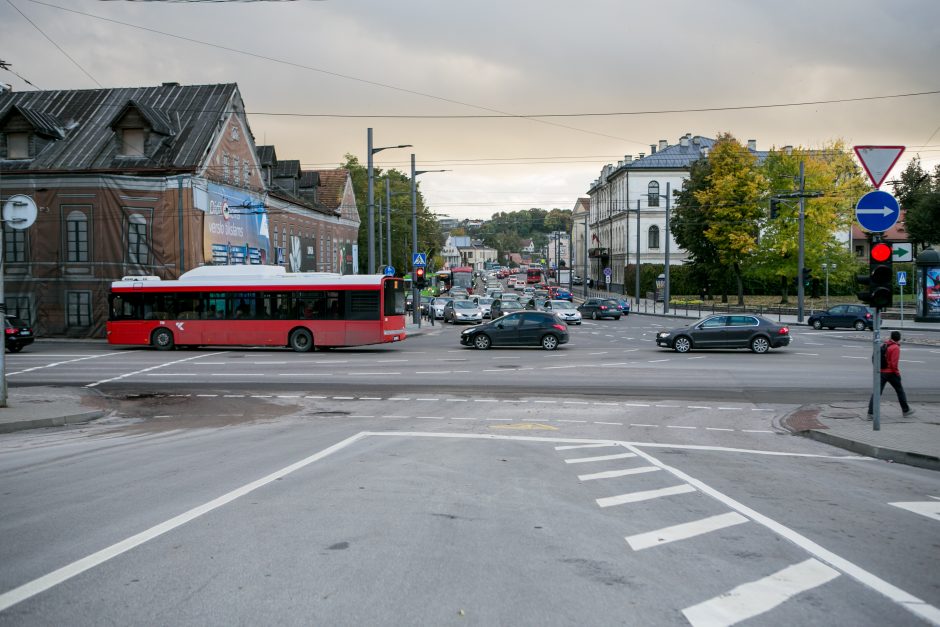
644,495
362,416
269,396
206,395
912,361
850,357
600,353
930,509
41,584
399,398
637,424
234,396
656,361
493,370
232,374
567,447
906,600
427,399
808,354
729,408
754,598
429,417
433,372
371,374
368,398
456,400
697,357
485,400
312,396
717,429
574,403
684,531
598,422
266,363
610,474
343,398
608,404
679,427
130,374
546,402
754,431
602,458
499,419
760,409
698,407
579,421
668,406
305,374
636,404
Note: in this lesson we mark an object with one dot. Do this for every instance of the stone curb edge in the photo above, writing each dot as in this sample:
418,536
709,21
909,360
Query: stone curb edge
57,421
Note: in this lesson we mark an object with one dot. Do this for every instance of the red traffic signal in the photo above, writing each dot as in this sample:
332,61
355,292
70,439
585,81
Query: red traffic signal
420,276
881,252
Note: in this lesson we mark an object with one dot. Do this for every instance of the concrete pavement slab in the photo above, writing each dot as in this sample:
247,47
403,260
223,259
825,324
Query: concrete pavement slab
46,406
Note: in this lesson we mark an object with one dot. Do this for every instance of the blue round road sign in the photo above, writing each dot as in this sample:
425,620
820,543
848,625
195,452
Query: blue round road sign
877,211
389,271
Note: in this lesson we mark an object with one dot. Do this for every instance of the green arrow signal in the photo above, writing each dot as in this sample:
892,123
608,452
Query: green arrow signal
900,251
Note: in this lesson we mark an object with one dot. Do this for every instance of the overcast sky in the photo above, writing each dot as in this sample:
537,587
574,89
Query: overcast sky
484,58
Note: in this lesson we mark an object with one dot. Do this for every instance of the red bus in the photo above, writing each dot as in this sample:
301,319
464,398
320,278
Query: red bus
462,277
534,275
256,306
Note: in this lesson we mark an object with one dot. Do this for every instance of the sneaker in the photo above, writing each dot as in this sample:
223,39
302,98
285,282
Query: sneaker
909,412
869,417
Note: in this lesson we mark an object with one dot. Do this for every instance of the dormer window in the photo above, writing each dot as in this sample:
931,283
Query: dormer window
17,145
132,142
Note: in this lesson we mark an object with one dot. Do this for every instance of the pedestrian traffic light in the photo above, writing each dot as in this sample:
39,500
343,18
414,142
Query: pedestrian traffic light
807,277
420,281
881,275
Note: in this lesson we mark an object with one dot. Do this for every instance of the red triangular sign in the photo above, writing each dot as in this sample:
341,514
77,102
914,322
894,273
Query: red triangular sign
878,161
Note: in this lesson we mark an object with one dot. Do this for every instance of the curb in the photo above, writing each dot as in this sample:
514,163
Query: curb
57,421
929,462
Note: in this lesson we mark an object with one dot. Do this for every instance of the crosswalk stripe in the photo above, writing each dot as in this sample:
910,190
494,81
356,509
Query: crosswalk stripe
684,531
571,446
611,474
634,497
756,597
601,458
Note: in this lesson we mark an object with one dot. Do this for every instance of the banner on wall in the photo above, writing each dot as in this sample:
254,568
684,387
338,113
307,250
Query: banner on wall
235,228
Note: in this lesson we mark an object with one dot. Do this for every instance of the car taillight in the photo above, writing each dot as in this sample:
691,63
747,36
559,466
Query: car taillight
868,316
783,331
560,327
603,306
10,331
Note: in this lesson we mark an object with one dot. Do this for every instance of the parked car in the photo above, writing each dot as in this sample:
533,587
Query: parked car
527,328
624,305
564,310
438,303
462,311
858,317
726,331
597,308
17,334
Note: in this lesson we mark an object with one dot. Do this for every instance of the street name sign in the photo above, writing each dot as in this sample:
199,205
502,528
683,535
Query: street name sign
878,161
877,211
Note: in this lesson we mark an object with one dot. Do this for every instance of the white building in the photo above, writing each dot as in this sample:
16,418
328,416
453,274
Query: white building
630,199
579,235
559,246
451,250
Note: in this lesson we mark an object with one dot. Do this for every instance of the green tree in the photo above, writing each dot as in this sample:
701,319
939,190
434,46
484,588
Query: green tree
734,206
430,239
919,196
687,225
829,171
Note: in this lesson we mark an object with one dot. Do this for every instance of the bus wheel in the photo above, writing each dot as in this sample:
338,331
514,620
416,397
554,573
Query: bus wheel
162,340
300,340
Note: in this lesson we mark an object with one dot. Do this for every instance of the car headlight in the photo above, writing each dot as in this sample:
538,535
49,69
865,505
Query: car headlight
662,334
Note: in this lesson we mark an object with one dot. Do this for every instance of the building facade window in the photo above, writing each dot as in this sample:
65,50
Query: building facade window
19,306
653,191
653,237
76,229
78,308
246,173
225,168
138,245
132,142
14,245
17,145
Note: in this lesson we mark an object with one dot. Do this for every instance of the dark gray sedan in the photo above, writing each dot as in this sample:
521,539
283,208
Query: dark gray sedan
727,331
525,328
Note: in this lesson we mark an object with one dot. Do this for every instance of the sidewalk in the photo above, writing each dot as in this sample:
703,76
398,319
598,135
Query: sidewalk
43,406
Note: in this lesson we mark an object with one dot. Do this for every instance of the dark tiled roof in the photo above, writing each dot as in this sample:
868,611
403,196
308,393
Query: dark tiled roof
190,113
266,155
308,179
678,156
288,168
44,123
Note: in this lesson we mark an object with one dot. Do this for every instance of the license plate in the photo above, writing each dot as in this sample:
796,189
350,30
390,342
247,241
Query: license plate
24,333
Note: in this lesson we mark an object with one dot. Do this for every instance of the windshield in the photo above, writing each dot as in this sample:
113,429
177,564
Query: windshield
464,304
562,304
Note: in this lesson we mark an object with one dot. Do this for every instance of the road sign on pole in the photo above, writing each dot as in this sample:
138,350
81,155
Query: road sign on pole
389,271
877,211
903,252
607,272
418,259
878,161
902,278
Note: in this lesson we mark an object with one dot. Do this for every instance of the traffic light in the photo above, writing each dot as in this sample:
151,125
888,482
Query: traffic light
774,208
807,277
420,280
880,290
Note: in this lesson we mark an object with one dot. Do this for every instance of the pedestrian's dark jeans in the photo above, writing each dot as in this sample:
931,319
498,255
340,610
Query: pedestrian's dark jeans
895,381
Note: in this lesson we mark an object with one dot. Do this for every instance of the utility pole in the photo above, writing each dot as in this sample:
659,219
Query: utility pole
802,194
637,254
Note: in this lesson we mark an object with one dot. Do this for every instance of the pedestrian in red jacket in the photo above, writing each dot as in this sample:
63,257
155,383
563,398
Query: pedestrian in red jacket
891,373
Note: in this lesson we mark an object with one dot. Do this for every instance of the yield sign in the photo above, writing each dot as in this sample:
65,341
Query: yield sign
878,161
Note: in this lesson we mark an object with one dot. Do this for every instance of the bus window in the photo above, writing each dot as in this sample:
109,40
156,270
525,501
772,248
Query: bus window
394,299
363,305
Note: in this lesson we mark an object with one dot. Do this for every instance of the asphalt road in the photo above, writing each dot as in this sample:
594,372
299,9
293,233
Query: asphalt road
608,482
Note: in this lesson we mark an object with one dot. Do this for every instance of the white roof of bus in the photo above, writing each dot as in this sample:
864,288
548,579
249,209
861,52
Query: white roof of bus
228,276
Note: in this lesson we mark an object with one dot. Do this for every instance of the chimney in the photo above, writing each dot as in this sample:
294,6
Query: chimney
752,144
705,151
696,141
683,141
640,156
628,159
652,149
663,144
788,149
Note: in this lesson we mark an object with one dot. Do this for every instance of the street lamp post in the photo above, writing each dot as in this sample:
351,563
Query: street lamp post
415,294
371,200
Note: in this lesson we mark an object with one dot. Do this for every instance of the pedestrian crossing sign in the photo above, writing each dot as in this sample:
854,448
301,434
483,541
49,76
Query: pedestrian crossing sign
418,259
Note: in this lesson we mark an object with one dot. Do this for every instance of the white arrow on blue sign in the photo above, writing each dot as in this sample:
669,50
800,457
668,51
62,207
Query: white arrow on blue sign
389,271
418,259
877,211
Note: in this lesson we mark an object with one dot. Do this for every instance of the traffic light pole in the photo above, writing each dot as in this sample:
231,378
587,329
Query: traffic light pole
876,367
